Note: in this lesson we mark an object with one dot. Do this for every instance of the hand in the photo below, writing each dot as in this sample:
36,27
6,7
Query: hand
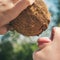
49,48
9,10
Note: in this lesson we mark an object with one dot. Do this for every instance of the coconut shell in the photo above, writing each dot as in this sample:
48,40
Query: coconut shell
33,20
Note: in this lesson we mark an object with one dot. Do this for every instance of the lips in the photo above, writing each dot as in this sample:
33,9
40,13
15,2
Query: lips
43,41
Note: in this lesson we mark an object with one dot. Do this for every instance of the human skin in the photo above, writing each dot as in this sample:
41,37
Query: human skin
49,49
7,13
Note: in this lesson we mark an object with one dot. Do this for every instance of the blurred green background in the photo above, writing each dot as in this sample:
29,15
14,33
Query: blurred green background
14,46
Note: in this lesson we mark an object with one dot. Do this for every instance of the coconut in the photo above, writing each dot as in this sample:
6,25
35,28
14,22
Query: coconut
33,20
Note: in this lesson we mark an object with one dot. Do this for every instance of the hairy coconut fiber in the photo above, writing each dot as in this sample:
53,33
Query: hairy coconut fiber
33,20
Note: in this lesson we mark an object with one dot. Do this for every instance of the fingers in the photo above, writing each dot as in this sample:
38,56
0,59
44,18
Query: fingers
3,30
5,5
11,14
42,42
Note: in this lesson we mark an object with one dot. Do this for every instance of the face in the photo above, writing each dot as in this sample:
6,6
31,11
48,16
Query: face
50,48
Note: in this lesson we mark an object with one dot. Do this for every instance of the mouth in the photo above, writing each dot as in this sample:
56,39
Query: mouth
42,42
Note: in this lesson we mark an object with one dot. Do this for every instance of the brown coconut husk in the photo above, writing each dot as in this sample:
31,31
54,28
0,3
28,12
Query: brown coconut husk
33,20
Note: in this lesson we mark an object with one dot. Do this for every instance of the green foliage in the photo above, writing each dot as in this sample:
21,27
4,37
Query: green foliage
10,36
24,53
6,51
